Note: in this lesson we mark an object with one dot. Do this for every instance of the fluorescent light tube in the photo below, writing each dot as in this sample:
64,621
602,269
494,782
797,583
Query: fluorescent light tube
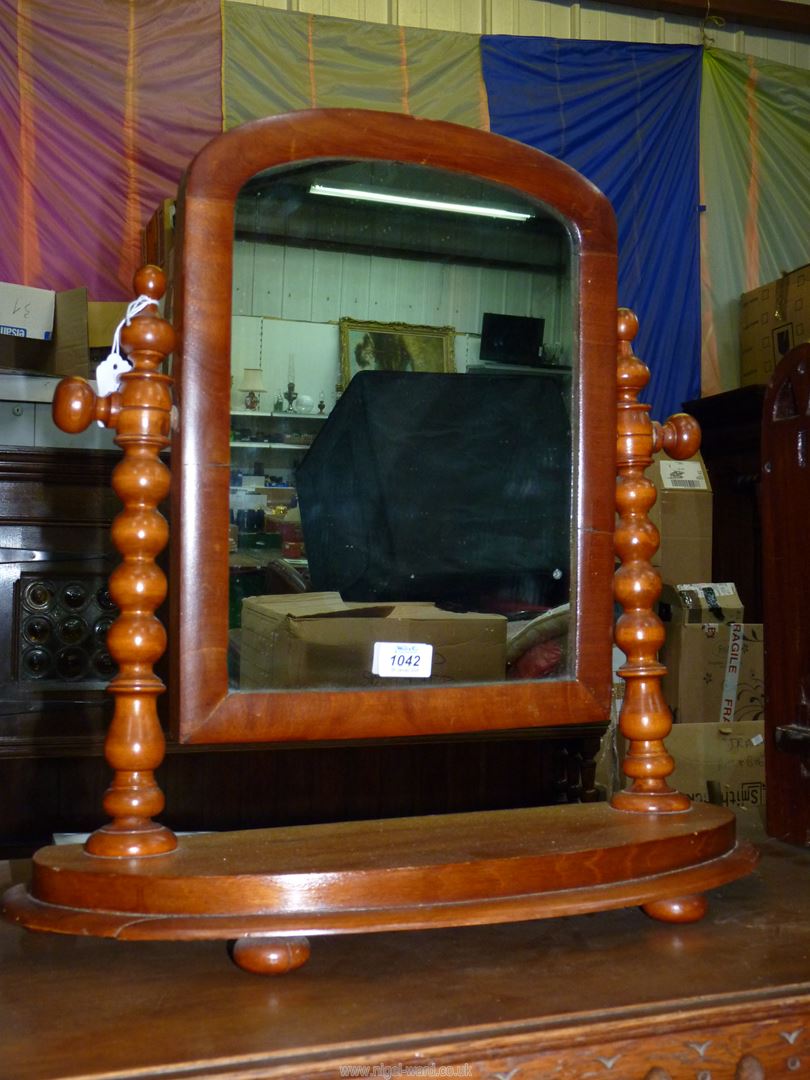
423,204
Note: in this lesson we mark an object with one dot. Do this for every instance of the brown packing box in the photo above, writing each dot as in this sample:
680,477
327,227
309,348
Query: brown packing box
720,763
26,312
700,602
773,318
714,660
682,513
317,639
103,316
67,353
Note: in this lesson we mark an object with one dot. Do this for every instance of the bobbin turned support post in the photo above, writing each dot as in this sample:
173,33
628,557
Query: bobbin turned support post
645,719
140,414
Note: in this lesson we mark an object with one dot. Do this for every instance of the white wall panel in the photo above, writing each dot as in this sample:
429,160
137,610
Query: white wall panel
515,17
318,287
246,350
436,294
557,19
383,290
326,278
299,272
355,286
268,277
411,292
464,298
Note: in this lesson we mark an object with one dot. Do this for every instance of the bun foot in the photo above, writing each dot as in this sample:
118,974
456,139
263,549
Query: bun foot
270,955
679,909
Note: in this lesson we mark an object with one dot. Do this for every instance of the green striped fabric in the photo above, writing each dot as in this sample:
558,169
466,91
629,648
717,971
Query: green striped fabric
274,62
755,163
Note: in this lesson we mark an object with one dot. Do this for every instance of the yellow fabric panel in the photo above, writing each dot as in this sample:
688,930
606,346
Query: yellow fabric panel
276,62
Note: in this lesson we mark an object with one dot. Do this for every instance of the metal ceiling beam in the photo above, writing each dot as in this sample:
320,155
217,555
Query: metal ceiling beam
776,15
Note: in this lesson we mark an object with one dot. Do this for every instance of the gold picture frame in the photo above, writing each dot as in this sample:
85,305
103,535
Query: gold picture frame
394,347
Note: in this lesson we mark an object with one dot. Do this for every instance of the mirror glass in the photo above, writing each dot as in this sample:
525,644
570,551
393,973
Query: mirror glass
401,469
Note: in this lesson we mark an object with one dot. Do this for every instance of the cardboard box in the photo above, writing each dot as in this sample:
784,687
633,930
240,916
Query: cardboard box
26,313
714,661
103,318
700,602
317,639
682,513
720,763
64,352
773,318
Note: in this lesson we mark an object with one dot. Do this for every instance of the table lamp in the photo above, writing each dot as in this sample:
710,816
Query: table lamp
252,386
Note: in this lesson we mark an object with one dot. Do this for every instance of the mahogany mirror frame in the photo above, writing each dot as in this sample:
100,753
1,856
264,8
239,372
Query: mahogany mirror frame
204,709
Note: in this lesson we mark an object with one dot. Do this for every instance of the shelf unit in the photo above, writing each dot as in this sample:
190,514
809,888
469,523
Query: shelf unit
266,431
267,442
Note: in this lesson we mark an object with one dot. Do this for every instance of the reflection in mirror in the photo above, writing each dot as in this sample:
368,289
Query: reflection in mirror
401,449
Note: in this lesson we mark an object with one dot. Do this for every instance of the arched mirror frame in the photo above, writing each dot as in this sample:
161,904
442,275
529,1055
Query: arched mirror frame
204,710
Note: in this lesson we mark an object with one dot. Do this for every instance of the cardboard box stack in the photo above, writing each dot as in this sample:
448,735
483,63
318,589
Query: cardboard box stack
317,639
714,660
714,686
714,681
773,318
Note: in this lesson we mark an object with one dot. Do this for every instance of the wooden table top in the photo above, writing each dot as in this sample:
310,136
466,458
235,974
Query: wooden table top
561,997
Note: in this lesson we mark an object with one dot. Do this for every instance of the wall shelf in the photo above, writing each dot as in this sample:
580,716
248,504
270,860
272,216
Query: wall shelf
279,415
271,445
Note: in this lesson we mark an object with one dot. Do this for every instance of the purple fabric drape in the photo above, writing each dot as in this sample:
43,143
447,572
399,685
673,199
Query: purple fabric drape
102,106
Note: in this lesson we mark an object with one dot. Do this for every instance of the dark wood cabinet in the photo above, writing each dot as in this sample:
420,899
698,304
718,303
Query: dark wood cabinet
786,579
731,424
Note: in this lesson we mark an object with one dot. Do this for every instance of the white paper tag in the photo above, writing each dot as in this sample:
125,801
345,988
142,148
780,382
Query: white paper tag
109,372
402,659
683,476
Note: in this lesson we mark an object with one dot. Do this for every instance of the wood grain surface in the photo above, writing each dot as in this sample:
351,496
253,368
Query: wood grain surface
611,995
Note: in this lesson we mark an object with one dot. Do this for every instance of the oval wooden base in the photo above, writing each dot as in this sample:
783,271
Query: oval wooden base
400,874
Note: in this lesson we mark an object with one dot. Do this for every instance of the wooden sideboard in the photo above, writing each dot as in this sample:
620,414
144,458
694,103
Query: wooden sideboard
613,995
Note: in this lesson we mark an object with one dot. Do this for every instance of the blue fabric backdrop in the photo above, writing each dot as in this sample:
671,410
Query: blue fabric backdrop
626,116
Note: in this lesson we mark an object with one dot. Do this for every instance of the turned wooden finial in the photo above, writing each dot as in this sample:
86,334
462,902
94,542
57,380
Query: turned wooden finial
679,437
645,718
139,411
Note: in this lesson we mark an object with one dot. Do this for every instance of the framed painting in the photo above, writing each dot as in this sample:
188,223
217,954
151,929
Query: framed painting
375,346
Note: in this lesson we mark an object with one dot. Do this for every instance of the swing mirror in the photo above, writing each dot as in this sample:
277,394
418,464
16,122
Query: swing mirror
394,467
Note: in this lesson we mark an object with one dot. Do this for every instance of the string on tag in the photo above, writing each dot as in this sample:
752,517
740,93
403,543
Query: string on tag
109,371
